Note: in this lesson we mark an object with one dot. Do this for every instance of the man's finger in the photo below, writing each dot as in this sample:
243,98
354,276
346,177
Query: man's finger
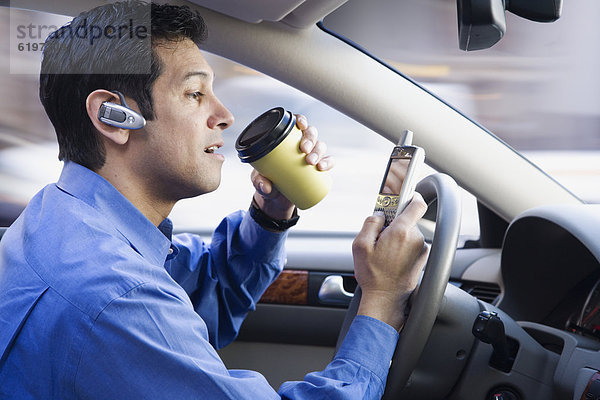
317,153
366,238
326,163
301,122
263,186
309,139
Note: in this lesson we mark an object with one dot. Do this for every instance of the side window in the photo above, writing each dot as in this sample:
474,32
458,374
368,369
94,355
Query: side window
28,149
361,157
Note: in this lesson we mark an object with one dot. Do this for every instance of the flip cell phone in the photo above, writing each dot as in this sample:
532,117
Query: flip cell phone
400,179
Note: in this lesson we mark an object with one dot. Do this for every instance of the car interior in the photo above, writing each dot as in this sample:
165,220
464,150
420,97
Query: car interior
510,314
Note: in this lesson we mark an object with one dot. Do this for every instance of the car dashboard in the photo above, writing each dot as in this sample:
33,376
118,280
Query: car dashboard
550,268
543,282
549,272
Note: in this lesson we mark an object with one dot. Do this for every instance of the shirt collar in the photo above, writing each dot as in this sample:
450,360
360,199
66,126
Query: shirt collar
150,241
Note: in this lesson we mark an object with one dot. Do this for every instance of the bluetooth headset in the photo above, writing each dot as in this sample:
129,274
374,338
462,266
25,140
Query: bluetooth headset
120,115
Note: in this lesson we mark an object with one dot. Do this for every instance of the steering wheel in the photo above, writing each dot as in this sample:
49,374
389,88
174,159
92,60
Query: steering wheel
427,297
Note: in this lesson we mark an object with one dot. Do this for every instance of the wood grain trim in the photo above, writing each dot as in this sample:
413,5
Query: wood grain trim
291,287
592,393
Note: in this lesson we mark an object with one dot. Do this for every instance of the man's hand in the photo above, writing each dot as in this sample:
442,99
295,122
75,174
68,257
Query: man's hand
269,199
387,264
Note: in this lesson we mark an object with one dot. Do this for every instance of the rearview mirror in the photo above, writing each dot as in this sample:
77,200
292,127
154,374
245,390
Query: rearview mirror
482,23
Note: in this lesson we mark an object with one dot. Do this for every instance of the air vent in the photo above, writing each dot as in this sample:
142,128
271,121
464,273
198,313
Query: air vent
487,292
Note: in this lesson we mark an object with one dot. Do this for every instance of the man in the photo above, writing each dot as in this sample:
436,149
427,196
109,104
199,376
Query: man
99,301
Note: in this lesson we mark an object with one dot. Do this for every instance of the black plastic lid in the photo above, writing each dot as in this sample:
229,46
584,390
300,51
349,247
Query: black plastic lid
264,134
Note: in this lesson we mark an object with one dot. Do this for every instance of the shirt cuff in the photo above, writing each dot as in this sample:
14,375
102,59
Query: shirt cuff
265,245
370,343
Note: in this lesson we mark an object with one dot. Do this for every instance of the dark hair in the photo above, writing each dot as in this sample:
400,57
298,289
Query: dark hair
108,48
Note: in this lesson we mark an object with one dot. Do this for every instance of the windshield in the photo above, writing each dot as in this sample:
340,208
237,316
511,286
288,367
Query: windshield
28,157
536,89
507,89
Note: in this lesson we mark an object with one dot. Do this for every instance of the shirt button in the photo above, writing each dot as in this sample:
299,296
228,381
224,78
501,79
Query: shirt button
170,250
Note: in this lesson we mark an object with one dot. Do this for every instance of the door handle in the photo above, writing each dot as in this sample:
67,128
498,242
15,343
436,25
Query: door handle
332,291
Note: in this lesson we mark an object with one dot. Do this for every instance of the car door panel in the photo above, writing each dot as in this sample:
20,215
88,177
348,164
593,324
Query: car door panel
293,331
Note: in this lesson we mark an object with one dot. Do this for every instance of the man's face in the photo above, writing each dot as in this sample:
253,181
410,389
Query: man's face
178,153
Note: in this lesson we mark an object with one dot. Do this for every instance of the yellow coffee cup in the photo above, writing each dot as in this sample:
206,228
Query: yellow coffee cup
271,144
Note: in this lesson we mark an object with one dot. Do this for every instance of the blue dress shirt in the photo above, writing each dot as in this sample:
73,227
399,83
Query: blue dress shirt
98,303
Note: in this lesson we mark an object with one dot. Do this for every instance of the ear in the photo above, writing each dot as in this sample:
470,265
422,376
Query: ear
92,105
